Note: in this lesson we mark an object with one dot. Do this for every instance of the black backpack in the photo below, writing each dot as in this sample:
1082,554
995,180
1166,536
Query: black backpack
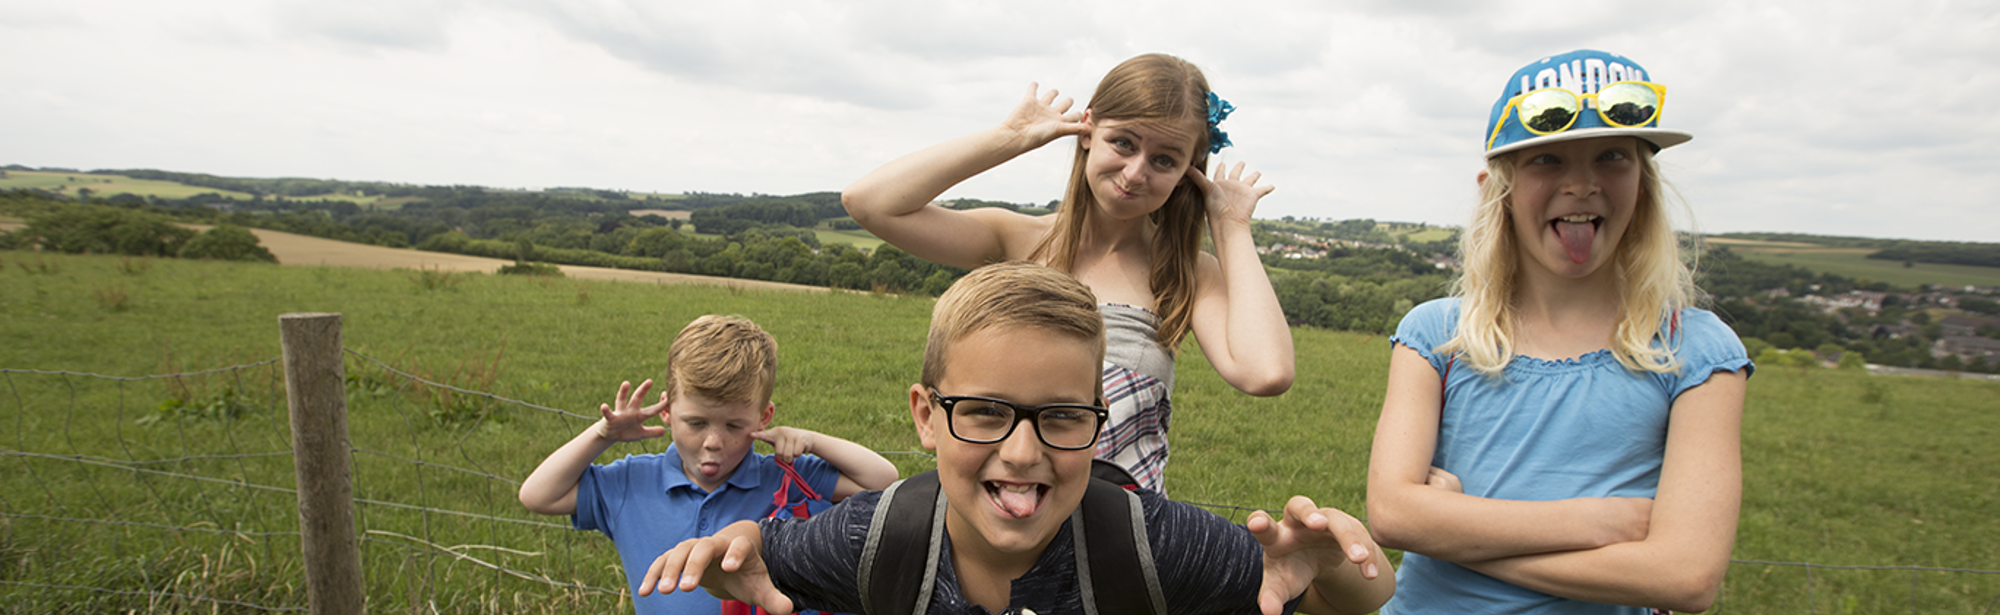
1114,561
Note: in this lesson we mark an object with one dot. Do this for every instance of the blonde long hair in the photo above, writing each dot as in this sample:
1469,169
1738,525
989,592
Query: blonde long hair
1655,279
1155,88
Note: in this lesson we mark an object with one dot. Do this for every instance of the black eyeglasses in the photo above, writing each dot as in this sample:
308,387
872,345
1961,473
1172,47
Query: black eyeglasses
984,420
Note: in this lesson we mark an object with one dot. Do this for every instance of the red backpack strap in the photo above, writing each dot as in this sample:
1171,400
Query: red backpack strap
782,499
779,501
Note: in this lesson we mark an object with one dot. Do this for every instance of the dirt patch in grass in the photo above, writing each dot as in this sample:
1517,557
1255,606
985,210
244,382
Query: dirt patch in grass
301,250
670,214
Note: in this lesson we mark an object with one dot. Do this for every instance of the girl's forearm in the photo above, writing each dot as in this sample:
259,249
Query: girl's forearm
1259,339
905,185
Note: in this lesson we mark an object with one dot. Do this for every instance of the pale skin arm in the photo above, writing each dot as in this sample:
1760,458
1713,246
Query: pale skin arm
1681,562
729,564
860,469
1238,322
1323,553
1408,513
893,201
551,489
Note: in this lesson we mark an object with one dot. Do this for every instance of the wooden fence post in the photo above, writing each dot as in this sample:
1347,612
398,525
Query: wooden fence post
316,390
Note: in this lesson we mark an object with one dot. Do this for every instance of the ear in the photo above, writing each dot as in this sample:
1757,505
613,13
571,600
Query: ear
770,411
1083,138
920,413
1481,179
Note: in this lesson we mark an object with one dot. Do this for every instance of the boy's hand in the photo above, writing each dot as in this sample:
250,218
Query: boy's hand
627,421
729,564
788,442
1309,545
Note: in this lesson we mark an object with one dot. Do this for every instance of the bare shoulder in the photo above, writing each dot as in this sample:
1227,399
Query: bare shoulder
1019,233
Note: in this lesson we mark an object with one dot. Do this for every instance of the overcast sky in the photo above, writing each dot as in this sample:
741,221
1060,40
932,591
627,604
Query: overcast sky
1833,117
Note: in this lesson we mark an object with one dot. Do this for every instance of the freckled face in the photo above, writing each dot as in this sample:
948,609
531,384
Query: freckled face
712,436
1009,497
1572,202
1134,166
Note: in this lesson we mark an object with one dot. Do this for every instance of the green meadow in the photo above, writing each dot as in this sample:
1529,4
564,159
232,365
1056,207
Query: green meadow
1841,468
102,186
1854,263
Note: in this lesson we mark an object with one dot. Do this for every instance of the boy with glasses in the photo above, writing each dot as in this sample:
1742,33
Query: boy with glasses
1012,343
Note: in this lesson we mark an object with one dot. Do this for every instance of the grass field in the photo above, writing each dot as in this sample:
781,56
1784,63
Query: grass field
1854,263
1841,468
859,239
102,186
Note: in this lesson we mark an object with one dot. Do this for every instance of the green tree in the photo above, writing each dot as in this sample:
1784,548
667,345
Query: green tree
227,242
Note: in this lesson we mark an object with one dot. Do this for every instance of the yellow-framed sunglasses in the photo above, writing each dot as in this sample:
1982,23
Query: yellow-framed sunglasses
1625,104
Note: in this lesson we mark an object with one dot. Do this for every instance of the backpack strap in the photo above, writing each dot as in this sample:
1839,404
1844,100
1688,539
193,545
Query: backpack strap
781,500
893,579
1114,559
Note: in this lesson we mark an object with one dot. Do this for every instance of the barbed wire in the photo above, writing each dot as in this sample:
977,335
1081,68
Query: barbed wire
160,526
159,594
488,396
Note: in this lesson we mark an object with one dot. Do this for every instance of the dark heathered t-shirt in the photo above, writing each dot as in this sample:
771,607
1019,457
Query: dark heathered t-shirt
1206,564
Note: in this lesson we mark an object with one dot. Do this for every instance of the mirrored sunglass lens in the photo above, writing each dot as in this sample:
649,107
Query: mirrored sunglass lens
1628,105
1548,110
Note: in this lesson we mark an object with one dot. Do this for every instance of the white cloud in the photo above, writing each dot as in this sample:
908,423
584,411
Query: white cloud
1841,118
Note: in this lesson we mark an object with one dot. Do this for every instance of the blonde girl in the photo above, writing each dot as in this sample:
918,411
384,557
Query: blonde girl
1561,434
1130,226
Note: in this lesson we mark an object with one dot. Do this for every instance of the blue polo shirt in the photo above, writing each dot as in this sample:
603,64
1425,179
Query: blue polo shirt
647,505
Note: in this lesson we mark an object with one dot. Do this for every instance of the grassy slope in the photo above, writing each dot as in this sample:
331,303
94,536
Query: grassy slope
102,186
1857,265
1842,468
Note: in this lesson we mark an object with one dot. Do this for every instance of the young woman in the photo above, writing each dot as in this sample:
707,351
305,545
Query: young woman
1130,226
1561,435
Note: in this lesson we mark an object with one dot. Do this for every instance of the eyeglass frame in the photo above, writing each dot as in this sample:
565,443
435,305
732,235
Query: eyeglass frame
1021,413
1659,93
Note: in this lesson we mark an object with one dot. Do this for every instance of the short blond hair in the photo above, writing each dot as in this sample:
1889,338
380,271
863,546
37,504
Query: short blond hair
1011,295
724,359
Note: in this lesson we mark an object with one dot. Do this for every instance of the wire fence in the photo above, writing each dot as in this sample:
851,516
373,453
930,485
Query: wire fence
175,493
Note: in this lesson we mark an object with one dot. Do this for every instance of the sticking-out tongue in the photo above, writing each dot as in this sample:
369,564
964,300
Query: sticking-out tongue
1576,238
1017,500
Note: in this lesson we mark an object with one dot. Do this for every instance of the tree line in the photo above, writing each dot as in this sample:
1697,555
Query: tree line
106,229
766,237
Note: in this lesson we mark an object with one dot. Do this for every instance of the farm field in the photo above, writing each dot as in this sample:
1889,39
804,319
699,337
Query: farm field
1854,263
859,239
1842,468
102,186
302,250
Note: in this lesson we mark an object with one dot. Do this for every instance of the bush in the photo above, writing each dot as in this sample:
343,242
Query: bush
227,242
535,269
104,230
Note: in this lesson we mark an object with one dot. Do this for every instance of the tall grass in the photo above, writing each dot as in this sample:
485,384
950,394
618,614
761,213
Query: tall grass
1841,468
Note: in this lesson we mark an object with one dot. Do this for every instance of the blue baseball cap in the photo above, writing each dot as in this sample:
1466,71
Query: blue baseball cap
1582,71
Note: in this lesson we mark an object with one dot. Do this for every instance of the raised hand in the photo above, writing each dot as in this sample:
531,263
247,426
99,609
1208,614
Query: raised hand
788,443
1310,546
1230,196
626,421
729,564
1044,117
